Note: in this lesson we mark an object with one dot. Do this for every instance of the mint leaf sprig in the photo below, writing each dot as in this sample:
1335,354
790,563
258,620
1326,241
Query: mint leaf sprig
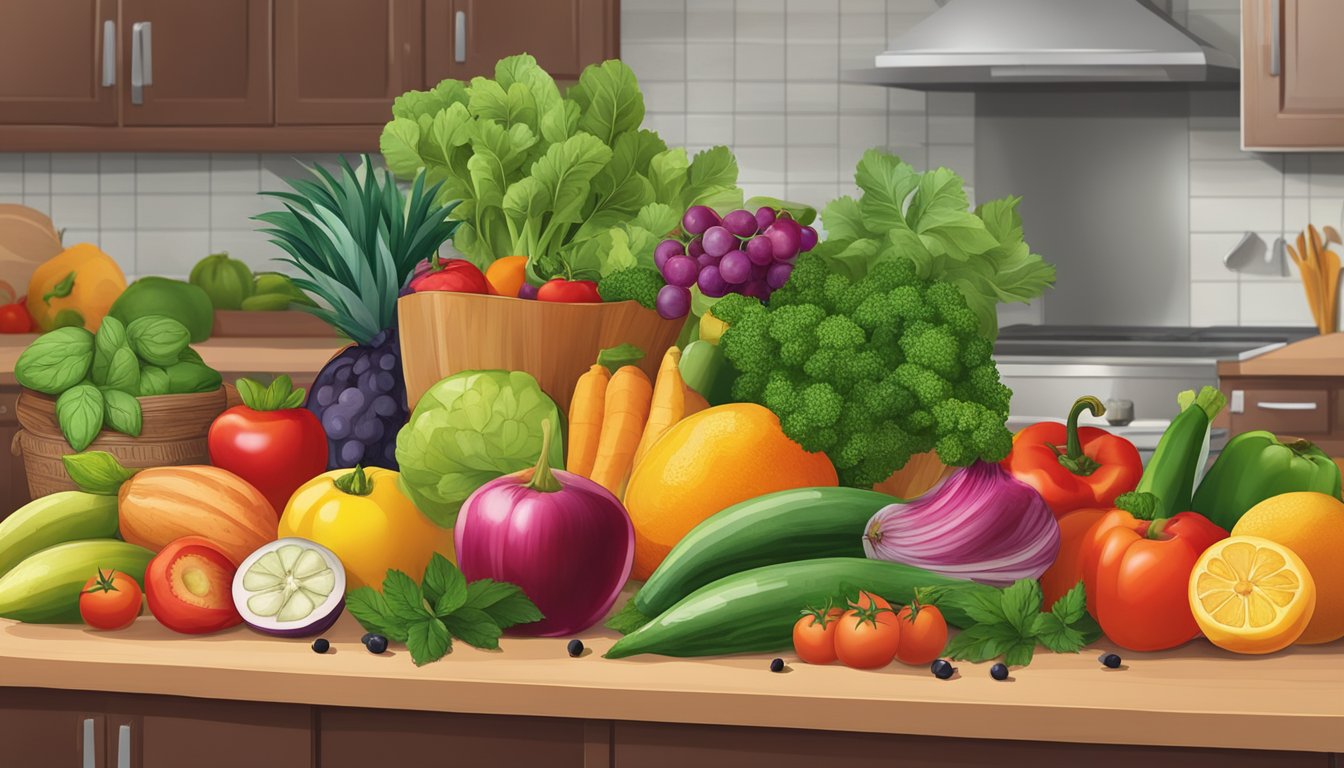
427,616
1009,622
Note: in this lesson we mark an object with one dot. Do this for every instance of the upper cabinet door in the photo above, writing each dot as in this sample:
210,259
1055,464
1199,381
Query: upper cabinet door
344,61
464,38
52,57
201,62
1292,74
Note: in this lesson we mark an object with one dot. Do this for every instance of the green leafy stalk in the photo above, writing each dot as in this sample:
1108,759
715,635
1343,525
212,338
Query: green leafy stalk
1010,623
280,394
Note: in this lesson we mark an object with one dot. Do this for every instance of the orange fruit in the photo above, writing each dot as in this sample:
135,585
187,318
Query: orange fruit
707,462
506,275
1250,595
1312,525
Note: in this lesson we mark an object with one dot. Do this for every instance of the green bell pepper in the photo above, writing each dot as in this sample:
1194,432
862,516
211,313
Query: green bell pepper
1257,465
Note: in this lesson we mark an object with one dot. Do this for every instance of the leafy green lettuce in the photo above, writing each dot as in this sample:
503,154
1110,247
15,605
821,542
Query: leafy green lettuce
924,217
570,181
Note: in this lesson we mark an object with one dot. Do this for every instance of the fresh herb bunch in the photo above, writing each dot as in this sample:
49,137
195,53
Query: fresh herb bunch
870,371
1010,623
427,616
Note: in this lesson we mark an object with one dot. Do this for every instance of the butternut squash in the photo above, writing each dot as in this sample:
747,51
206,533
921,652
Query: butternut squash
77,287
161,504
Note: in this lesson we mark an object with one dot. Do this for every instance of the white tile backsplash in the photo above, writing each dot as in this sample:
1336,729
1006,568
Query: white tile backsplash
172,212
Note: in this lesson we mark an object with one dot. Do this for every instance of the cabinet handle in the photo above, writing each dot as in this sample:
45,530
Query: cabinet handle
460,37
124,747
142,60
109,53
1273,406
88,746
1275,54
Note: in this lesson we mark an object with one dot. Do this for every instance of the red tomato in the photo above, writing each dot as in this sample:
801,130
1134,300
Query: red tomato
866,599
569,291
923,634
275,450
110,600
867,638
189,586
454,276
14,318
814,636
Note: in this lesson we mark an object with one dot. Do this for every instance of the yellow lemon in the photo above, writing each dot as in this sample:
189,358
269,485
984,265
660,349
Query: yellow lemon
1251,595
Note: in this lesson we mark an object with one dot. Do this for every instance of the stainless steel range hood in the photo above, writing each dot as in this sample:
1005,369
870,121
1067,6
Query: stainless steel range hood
978,42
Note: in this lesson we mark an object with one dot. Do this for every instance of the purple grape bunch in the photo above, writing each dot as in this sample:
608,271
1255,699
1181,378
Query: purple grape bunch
743,252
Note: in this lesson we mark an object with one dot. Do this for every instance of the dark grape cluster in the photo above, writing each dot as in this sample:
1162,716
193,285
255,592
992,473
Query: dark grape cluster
743,252
360,398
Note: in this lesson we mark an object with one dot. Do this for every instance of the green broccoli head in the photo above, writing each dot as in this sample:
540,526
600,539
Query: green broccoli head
639,284
870,371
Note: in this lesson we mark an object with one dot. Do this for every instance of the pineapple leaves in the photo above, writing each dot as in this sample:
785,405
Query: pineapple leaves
354,240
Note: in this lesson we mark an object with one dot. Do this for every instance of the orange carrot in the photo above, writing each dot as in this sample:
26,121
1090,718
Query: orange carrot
627,409
585,419
669,402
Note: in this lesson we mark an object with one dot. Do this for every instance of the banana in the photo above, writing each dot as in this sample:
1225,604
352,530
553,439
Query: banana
55,519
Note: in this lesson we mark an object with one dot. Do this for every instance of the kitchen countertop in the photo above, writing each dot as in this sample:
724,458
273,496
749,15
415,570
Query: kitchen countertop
1314,356
1194,696
231,356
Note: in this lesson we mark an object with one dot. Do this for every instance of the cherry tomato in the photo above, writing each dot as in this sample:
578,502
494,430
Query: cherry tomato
110,600
866,599
189,586
864,640
814,636
276,449
569,291
923,634
14,318
454,276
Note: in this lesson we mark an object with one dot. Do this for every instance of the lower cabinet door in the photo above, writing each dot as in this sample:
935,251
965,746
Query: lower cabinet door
172,732
61,729
359,738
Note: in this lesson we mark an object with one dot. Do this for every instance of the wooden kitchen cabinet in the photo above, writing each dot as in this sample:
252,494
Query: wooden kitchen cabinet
358,738
464,38
51,54
344,61
206,62
52,729
1292,68
169,732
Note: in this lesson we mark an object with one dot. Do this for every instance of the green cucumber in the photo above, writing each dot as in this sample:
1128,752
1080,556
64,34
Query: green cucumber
799,524
55,519
45,588
755,610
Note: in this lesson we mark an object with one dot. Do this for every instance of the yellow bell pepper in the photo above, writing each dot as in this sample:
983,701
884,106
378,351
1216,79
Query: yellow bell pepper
363,517
75,287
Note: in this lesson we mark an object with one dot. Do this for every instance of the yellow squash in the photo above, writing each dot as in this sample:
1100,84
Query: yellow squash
363,517
76,287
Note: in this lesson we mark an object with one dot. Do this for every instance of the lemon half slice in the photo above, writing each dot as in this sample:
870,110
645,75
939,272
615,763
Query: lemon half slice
1250,595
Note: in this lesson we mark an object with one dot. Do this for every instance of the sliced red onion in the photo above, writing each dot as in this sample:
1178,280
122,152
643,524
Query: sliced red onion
980,524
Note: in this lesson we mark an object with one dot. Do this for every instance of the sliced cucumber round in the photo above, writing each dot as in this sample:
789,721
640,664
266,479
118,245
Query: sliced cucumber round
291,587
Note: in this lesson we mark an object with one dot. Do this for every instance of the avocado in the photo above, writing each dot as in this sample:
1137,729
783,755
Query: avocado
183,302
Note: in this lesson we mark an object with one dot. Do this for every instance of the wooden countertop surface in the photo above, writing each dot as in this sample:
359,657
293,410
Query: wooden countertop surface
232,356
1314,356
1193,696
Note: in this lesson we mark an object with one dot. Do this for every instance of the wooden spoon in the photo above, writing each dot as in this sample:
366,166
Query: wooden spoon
1310,277
1321,256
1330,268
1332,235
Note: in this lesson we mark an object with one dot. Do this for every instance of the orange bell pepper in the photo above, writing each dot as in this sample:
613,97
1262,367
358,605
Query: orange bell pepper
1067,570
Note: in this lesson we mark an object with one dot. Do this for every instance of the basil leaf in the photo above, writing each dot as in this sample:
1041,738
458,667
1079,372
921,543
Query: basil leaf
122,411
428,641
79,411
444,585
192,377
403,597
96,472
55,361
153,381
370,609
1072,605
124,371
158,339
1020,654
189,355
1021,604
474,627
111,336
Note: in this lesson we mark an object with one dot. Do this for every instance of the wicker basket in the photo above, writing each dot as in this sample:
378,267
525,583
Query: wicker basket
173,432
445,333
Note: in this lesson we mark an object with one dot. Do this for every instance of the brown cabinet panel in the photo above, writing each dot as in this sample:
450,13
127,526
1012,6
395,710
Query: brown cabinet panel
1291,91
210,62
51,52
344,61
1299,412
170,732
357,738
60,729
564,35
13,479
654,745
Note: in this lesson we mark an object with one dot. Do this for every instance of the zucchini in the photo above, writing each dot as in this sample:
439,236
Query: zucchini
798,524
55,519
1168,481
755,610
45,588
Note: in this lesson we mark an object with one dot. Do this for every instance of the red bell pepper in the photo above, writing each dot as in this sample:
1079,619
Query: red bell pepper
1074,467
1137,576
569,291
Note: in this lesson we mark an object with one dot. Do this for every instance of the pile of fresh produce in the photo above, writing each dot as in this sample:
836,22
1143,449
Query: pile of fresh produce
75,288
97,378
231,285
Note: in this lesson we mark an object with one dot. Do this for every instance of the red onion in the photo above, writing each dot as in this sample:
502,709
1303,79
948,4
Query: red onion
980,524
564,539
